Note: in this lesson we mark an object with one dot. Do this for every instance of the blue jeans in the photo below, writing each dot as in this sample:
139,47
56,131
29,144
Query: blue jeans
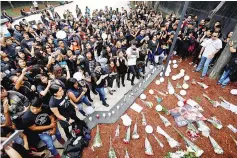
84,100
204,62
47,139
101,92
224,80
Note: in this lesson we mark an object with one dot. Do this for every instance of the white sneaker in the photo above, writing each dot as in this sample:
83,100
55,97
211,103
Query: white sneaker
190,63
195,65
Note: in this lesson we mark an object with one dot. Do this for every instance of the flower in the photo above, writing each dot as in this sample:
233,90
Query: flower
148,148
217,148
97,140
127,136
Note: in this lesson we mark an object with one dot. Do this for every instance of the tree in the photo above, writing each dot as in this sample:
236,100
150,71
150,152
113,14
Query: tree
224,57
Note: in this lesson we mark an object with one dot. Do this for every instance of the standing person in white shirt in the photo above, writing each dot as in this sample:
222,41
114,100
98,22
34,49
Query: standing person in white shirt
36,5
132,55
209,49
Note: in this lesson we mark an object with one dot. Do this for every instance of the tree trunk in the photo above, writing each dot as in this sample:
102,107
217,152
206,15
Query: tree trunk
224,57
11,4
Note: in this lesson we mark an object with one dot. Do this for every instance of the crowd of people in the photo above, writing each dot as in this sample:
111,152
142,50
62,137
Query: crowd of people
50,69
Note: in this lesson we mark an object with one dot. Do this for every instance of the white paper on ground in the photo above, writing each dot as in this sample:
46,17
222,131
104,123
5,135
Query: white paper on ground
232,128
233,108
136,107
125,117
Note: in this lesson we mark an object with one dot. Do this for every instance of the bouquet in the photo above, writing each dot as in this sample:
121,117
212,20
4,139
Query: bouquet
161,93
178,86
143,119
170,88
234,139
117,131
203,128
179,97
192,132
217,148
112,153
196,149
162,108
214,103
148,148
164,120
97,140
159,142
216,123
135,134
127,136
203,85
173,143
126,153
147,103
159,100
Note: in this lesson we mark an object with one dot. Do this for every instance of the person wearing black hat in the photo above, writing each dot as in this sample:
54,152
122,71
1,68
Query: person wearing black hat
42,121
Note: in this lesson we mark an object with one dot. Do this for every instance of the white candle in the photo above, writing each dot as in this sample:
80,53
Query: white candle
118,106
109,114
113,112
104,115
90,118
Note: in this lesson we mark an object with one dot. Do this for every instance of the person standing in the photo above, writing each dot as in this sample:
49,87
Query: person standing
78,11
121,67
209,49
36,5
230,73
132,55
98,81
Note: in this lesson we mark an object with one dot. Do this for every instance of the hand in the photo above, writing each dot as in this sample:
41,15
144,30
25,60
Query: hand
104,76
76,108
71,121
231,43
24,70
210,56
84,89
52,131
33,88
53,124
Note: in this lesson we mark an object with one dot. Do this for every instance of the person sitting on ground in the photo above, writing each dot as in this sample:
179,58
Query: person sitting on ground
42,121
32,10
5,15
77,95
24,13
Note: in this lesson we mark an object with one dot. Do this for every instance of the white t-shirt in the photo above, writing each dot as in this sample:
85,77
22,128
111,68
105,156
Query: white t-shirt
132,59
211,46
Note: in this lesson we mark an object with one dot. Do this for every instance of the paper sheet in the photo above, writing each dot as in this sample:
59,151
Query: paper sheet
136,107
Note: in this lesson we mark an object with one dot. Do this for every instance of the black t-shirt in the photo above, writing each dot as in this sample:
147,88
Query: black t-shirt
27,43
64,106
46,98
41,119
95,77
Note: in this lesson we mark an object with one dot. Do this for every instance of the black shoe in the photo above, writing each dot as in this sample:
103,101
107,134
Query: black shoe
94,92
123,85
132,84
106,105
118,86
128,79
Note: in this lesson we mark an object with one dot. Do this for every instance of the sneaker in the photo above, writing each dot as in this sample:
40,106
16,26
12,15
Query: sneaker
190,63
123,85
223,86
61,141
90,100
106,105
195,65
94,92
118,86
132,84
128,79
